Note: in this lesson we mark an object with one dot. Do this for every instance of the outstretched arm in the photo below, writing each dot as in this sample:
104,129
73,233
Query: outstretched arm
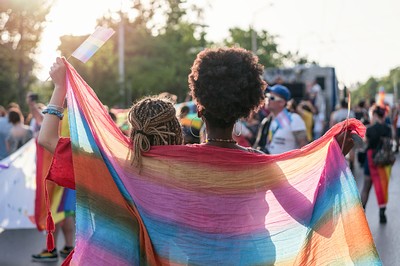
49,132
34,110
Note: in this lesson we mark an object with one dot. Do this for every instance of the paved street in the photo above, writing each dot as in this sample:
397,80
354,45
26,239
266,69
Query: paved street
16,246
386,236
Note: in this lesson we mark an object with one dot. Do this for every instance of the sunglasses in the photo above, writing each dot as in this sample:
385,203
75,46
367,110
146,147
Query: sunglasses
273,98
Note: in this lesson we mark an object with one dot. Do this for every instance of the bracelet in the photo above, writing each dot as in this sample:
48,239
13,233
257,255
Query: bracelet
56,107
55,112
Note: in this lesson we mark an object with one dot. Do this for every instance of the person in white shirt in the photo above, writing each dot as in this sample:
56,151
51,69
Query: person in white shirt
287,130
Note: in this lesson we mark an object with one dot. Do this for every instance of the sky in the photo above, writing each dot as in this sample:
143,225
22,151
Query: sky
360,38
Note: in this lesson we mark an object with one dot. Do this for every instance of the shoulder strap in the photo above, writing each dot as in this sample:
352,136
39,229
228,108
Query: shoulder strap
262,132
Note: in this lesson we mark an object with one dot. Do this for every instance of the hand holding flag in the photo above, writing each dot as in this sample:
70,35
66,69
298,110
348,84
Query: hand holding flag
93,43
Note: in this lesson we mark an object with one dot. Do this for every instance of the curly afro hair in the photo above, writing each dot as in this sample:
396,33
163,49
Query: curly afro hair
227,84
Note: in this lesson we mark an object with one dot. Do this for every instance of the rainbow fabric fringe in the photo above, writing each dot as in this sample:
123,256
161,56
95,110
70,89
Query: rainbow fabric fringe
199,205
380,176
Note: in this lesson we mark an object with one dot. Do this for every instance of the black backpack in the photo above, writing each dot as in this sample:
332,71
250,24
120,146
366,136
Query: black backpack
262,135
384,154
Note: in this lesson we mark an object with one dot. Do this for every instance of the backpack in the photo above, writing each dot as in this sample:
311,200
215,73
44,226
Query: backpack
262,134
384,154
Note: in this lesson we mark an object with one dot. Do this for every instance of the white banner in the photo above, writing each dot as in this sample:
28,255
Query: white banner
17,188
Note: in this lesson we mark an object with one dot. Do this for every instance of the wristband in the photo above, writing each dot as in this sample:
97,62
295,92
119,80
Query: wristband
52,111
56,107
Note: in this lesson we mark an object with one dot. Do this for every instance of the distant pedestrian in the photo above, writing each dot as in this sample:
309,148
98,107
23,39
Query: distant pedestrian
374,174
317,97
19,133
5,127
287,130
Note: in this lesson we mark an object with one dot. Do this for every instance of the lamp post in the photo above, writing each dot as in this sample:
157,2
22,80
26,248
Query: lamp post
395,91
253,40
121,59
253,32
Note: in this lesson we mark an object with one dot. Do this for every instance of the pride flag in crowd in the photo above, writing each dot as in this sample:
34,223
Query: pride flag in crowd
202,205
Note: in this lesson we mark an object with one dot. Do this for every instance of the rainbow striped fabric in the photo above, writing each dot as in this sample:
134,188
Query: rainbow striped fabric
90,46
199,205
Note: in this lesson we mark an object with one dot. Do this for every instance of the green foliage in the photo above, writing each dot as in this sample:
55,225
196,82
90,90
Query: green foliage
155,61
297,59
365,91
157,54
8,77
162,63
100,72
369,89
22,23
265,47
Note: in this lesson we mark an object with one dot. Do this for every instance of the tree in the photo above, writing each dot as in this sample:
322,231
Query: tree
8,76
100,72
296,59
21,25
369,89
159,59
266,47
157,56
365,91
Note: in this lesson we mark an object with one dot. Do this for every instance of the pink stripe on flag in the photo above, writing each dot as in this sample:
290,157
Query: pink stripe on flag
102,33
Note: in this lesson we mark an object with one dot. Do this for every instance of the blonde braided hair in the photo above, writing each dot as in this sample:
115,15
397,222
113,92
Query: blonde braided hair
154,122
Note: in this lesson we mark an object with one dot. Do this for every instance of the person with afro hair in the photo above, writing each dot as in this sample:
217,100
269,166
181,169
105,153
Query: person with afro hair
226,84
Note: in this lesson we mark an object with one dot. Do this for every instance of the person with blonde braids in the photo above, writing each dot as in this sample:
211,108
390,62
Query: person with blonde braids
153,119
226,85
154,122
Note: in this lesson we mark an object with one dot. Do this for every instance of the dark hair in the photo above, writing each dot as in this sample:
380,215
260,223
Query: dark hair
361,104
227,84
184,110
379,111
343,103
113,116
154,122
14,117
292,105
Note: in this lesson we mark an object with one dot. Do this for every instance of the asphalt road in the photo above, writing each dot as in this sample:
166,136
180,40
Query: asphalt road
386,236
17,246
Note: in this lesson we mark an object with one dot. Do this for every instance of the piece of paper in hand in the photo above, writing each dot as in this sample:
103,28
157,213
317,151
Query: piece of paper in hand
92,44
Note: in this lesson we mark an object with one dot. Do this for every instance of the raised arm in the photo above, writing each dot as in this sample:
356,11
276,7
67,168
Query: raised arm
34,110
49,132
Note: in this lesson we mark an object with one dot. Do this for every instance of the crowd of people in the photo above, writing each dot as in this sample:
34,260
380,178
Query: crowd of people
255,118
282,125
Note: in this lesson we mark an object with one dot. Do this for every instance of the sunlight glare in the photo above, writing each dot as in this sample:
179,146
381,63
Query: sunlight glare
69,17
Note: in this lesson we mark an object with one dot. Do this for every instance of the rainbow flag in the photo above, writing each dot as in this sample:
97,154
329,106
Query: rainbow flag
55,193
202,205
62,199
90,46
